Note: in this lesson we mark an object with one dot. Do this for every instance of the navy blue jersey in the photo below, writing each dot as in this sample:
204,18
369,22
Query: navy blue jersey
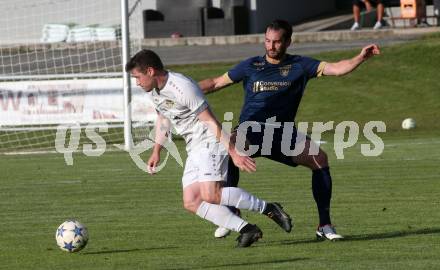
273,89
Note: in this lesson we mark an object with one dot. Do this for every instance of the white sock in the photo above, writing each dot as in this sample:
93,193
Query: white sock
240,199
221,216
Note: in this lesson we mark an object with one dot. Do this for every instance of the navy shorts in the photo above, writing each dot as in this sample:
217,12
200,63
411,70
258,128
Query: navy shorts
272,148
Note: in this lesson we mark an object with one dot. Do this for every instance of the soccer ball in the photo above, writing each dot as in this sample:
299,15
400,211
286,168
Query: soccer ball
408,123
71,236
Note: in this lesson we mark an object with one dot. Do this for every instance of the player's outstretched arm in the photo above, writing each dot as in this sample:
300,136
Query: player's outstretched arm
214,84
240,160
162,128
346,66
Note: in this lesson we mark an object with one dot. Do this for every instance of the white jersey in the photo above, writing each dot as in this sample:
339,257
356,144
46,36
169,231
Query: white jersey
181,100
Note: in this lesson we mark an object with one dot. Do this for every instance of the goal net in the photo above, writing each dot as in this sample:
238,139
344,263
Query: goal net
61,67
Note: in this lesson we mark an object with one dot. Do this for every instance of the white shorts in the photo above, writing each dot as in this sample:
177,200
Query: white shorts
206,164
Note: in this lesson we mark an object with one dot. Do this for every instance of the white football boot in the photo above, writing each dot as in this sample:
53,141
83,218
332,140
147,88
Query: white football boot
327,232
221,232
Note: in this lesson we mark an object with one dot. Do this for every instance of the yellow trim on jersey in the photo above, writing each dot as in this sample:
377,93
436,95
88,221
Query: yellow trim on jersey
226,78
320,71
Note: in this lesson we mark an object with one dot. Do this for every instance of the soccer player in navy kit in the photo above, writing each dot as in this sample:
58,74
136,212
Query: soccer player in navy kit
274,85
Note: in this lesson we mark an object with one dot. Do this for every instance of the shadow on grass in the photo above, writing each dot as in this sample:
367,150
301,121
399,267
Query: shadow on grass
126,250
386,235
258,263
367,237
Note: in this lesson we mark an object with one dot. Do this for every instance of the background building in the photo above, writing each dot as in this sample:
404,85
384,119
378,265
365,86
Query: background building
153,18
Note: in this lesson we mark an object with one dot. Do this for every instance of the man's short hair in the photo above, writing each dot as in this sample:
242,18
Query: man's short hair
144,59
281,25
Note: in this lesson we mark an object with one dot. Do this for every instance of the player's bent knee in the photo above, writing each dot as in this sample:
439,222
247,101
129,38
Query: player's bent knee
323,157
321,160
210,198
192,203
191,206
211,192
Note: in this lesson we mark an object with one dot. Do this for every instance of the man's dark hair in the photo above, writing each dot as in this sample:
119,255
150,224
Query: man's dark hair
281,25
144,59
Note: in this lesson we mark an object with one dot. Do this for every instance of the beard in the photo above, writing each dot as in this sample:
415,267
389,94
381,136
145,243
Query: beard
276,54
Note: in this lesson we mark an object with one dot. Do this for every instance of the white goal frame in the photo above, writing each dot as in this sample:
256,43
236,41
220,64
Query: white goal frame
127,8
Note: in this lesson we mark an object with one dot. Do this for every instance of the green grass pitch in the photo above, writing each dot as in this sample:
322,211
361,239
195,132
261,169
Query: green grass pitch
387,207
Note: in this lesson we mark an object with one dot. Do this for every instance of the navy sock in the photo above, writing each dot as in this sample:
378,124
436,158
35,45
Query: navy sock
233,175
322,192
232,181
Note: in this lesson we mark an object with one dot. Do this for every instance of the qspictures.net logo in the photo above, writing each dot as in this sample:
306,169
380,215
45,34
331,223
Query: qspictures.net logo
346,134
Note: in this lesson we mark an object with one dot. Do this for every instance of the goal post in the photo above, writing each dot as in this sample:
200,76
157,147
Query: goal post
62,62
126,76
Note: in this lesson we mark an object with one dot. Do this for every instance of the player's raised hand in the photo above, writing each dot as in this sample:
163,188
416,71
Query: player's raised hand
369,51
152,163
243,162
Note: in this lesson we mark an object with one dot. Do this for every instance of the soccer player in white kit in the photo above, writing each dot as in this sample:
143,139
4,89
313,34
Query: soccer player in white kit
180,102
